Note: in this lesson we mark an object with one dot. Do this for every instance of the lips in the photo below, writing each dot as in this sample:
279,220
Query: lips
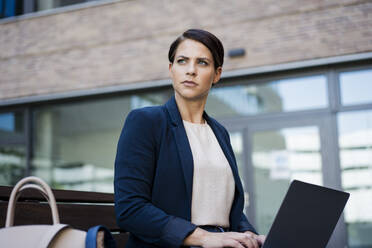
189,83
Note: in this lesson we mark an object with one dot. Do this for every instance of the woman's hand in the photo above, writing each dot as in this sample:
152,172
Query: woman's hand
260,238
206,239
230,239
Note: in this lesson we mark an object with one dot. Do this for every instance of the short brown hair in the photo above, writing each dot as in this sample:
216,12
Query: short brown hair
206,38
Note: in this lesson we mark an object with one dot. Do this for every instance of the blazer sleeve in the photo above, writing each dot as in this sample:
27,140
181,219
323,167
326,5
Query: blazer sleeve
244,225
135,166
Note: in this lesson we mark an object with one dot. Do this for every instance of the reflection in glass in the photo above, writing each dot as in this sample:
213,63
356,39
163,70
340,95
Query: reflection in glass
12,148
356,87
75,143
11,122
355,140
12,164
50,4
285,95
236,139
280,156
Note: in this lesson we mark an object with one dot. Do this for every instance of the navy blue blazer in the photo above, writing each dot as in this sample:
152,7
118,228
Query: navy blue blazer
154,175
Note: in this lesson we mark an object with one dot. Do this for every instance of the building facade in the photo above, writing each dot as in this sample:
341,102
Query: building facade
296,92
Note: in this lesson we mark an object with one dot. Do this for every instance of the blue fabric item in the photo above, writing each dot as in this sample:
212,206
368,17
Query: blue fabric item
91,238
154,174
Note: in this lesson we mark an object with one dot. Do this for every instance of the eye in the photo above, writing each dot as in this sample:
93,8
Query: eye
181,61
202,62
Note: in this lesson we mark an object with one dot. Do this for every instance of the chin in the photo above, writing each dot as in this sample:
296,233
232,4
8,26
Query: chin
193,97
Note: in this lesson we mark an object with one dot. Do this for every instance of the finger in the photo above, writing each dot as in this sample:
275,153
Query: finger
250,241
247,239
249,235
232,243
261,239
237,235
244,239
254,243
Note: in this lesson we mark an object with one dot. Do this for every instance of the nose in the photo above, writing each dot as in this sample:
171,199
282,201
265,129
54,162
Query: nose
191,69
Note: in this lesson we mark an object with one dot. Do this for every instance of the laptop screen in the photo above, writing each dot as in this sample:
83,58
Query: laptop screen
307,216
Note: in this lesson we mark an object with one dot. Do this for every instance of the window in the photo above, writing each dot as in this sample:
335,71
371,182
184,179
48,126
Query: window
51,4
284,95
75,143
9,8
12,147
356,87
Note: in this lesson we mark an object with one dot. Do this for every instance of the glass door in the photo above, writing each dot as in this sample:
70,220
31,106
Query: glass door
355,145
278,157
272,153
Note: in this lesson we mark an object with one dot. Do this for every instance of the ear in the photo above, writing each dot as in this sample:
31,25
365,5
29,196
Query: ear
170,69
217,75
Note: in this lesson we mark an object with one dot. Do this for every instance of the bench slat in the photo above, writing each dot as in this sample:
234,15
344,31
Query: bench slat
77,215
60,195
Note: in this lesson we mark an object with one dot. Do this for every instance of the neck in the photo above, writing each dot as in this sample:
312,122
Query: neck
191,110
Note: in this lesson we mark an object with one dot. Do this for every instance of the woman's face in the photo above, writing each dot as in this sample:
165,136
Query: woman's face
192,70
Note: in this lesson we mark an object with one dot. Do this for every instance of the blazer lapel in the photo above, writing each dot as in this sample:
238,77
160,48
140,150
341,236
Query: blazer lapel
184,149
183,146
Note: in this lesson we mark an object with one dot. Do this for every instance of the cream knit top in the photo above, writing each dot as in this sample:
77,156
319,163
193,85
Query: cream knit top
213,183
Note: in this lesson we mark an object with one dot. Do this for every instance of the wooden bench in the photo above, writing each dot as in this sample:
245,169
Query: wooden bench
79,209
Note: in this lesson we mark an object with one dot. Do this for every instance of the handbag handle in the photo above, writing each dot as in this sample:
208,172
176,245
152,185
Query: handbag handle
34,183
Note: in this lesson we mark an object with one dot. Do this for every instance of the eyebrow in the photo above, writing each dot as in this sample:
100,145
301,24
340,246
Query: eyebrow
185,57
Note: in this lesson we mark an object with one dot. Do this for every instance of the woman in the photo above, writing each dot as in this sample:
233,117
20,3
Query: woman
176,178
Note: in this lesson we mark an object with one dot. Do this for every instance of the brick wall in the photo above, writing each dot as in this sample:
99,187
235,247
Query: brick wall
127,41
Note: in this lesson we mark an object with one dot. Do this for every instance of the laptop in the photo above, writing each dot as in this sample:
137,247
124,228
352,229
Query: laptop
307,217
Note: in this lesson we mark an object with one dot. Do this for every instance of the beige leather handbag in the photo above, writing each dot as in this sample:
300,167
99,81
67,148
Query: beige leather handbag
38,236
